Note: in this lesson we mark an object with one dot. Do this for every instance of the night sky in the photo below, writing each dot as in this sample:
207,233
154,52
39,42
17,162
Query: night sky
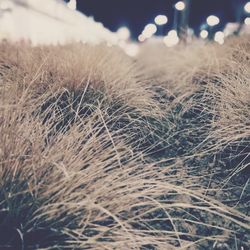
135,14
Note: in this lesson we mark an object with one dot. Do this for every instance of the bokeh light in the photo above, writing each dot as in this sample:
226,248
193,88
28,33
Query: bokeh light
132,49
204,34
247,21
141,38
171,39
149,30
219,37
180,5
72,4
247,7
123,33
213,20
161,19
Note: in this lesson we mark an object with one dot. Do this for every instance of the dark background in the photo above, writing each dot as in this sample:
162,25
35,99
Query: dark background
135,14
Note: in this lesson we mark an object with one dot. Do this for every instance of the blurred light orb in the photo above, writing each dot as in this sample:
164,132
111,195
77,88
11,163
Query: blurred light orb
171,39
149,30
132,49
180,5
141,38
247,7
161,19
147,34
72,4
219,37
172,33
204,34
213,20
247,21
123,33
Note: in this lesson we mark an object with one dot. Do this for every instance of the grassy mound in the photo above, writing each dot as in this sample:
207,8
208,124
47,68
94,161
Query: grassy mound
99,151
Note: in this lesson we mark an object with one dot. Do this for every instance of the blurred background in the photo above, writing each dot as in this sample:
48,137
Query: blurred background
134,14
125,23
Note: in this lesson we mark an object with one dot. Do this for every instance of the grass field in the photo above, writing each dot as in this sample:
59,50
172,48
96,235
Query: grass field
101,151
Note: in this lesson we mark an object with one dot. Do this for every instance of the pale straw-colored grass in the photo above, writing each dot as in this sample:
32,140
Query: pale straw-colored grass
70,175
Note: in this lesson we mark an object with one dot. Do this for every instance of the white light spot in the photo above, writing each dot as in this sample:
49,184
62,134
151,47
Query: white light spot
247,7
72,4
219,37
247,21
213,20
204,34
132,49
172,33
141,38
180,6
171,39
123,33
149,30
161,19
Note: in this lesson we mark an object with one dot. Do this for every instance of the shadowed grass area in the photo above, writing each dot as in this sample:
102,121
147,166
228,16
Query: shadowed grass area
99,151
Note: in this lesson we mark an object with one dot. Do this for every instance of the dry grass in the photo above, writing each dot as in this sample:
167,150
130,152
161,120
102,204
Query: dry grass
78,125
47,70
